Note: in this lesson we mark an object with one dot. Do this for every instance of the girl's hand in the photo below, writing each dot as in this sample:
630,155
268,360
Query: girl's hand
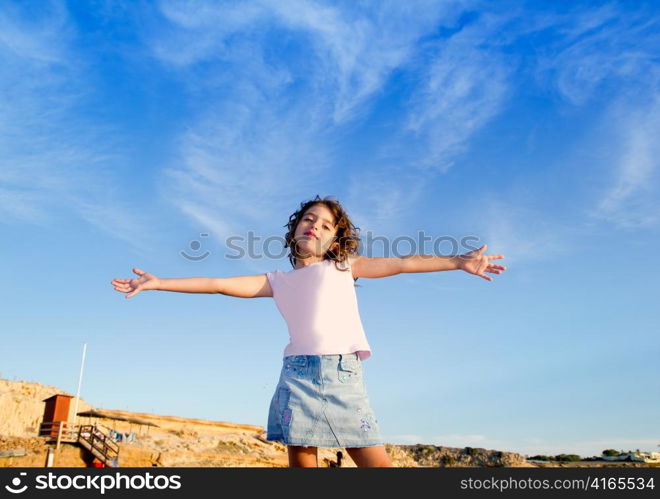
475,262
134,286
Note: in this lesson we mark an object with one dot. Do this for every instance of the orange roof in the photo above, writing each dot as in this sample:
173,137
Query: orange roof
58,395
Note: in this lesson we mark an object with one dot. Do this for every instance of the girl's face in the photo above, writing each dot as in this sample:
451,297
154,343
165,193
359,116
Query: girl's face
316,232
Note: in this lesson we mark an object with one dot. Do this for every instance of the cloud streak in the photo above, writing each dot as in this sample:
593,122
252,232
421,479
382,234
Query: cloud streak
54,161
347,64
632,201
464,86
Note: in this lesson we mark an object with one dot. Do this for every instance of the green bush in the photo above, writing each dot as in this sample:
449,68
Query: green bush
428,449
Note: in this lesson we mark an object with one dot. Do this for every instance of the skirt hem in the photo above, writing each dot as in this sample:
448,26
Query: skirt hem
334,445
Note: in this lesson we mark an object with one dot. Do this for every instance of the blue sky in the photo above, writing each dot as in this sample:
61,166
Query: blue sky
129,129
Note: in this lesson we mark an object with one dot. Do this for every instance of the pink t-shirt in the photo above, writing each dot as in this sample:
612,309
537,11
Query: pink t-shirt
319,304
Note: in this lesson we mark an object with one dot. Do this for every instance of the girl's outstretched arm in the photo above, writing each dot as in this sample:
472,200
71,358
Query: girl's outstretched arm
250,286
474,262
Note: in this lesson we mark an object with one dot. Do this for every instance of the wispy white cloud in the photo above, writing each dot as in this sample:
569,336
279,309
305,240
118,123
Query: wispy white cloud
633,198
349,60
464,86
601,48
352,50
608,54
359,48
270,134
23,206
53,161
277,111
37,35
463,82
34,95
120,220
198,31
237,169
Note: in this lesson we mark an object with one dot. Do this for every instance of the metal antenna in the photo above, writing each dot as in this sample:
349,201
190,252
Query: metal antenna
82,365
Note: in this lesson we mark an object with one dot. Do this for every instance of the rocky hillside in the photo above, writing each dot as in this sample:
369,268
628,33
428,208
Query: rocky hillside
22,407
177,441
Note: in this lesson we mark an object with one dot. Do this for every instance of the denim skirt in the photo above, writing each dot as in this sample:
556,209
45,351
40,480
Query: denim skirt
321,401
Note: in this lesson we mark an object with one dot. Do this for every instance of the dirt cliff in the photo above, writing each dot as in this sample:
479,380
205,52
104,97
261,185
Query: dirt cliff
172,441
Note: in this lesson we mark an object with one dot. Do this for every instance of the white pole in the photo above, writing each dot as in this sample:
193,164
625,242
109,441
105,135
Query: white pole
82,365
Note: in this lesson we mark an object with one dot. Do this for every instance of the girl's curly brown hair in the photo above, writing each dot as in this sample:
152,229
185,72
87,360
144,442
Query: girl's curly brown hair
347,233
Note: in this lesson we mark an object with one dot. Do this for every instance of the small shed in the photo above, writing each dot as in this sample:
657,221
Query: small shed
56,411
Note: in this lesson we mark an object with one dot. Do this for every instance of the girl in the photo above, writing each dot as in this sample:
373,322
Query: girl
321,398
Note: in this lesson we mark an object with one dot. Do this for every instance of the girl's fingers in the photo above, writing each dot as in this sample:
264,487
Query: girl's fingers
125,286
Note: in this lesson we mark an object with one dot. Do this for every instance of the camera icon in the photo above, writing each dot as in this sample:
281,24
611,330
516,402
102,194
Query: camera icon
195,246
16,482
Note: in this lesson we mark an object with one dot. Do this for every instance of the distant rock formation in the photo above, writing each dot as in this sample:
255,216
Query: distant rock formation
439,456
